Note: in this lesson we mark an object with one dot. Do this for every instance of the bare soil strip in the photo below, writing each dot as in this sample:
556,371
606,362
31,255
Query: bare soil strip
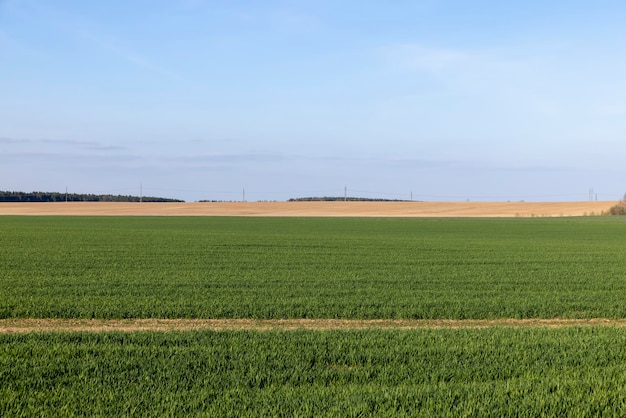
163,325
317,209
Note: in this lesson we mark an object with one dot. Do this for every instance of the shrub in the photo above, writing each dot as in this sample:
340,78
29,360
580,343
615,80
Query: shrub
619,209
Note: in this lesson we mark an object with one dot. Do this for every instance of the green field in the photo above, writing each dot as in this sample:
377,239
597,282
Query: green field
116,267
179,267
490,372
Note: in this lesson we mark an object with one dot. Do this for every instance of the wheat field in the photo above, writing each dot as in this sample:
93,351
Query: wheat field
316,209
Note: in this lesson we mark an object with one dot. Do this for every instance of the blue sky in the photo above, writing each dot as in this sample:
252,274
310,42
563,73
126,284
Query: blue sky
193,99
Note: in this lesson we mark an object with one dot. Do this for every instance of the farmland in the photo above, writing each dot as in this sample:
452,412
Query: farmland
317,209
284,316
489,372
81,267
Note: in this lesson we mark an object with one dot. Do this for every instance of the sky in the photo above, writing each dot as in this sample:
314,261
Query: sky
435,100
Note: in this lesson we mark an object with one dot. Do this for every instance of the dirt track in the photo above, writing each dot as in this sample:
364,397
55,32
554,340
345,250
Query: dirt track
130,325
321,209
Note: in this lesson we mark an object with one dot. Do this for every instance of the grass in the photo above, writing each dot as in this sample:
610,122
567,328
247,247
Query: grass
489,372
117,267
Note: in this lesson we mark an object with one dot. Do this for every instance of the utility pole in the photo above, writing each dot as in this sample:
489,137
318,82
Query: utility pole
140,193
243,195
345,193
65,194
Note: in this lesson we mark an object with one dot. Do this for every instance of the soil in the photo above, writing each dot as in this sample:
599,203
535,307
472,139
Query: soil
131,325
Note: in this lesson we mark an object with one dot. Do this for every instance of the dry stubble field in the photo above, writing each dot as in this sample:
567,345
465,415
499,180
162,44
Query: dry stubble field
316,209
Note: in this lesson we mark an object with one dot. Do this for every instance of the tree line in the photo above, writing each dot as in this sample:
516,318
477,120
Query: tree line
341,199
7,196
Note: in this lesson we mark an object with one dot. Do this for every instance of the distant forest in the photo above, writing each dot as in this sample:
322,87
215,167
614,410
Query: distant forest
76,197
341,199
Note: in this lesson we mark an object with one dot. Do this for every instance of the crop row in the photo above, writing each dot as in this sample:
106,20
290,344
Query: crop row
488,372
116,267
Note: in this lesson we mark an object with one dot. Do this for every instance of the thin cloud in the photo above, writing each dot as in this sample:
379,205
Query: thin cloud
131,57
289,21
8,43
473,165
281,20
93,145
54,158
102,38
5,140
417,57
217,158
190,4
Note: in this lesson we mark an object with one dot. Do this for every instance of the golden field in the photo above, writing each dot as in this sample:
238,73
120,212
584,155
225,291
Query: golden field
317,209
